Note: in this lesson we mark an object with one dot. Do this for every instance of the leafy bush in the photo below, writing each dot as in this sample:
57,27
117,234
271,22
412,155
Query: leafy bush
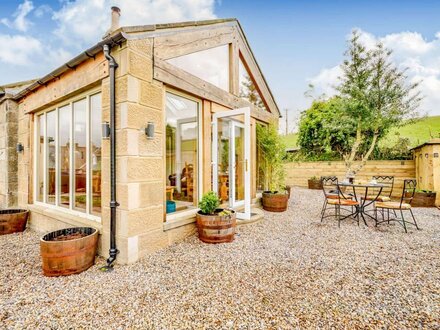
209,203
399,151
273,152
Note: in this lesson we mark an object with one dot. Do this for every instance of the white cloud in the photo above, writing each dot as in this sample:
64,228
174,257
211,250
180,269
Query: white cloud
79,24
412,51
20,49
86,21
20,21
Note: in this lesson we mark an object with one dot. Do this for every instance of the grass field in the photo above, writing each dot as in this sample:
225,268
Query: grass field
418,133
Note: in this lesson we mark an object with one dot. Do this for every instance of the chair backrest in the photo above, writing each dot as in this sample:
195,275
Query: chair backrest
387,181
409,189
329,185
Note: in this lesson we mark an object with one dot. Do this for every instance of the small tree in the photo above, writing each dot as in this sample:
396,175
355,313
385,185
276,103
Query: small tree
380,97
273,151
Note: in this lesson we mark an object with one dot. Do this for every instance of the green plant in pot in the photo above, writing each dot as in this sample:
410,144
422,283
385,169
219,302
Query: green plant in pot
273,151
215,224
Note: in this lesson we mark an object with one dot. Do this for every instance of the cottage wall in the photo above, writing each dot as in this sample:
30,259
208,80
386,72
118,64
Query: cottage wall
8,153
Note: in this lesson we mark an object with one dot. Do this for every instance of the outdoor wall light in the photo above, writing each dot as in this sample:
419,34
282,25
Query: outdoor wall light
19,147
105,130
149,131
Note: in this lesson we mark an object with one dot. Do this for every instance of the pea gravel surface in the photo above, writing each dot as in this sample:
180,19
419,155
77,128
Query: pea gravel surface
287,271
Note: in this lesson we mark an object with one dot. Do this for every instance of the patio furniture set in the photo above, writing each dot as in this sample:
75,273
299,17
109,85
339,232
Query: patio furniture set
368,200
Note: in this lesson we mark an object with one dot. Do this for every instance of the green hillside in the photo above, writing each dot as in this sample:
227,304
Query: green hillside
418,133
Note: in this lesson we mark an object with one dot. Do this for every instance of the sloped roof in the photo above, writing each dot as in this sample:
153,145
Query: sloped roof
14,88
427,143
122,34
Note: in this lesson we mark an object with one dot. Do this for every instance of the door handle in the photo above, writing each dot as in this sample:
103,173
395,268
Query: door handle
246,165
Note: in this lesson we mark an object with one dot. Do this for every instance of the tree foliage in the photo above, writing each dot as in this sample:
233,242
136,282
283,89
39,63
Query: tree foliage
373,96
380,97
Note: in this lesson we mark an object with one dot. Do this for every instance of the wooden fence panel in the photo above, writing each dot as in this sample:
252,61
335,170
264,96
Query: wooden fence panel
297,173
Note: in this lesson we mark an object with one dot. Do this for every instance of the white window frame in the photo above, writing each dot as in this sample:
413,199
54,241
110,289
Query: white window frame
247,155
87,214
189,211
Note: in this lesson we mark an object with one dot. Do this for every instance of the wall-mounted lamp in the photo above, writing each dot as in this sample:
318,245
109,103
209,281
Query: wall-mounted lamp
149,131
105,130
19,147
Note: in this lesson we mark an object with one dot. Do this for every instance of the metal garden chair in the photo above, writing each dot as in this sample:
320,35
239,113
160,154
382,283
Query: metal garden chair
387,189
335,197
409,188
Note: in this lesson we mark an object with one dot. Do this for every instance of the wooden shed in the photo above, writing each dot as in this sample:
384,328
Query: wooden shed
427,163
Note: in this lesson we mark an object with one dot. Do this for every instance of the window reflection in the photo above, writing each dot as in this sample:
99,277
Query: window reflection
248,89
95,150
181,152
70,139
79,136
40,155
64,154
50,156
211,65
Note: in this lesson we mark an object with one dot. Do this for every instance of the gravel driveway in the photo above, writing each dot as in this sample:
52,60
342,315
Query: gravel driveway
287,271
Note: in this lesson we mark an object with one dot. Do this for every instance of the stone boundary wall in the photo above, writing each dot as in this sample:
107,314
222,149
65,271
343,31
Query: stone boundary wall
297,173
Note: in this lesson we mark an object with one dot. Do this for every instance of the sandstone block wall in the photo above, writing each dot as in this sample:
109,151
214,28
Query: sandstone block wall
8,153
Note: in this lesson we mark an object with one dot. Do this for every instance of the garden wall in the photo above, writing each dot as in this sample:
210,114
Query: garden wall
297,173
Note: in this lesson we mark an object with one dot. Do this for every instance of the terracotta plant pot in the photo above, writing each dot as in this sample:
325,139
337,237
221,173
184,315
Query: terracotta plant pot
13,221
68,251
216,228
275,201
314,184
423,199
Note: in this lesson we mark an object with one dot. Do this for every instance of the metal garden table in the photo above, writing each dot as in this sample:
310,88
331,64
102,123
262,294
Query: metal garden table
360,194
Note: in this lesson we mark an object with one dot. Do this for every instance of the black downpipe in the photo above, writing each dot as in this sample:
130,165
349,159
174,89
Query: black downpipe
113,203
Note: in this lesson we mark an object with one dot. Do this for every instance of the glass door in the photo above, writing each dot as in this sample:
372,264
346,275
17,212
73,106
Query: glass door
231,159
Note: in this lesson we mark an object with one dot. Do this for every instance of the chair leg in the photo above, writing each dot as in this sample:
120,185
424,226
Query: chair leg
375,215
388,215
414,219
339,216
403,221
323,209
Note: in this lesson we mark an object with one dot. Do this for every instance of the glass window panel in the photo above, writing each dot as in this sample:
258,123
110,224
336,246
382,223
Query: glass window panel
247,86
211,65
240,163
224,145
40,159
50,156
95,150
80,154
181,152
64,154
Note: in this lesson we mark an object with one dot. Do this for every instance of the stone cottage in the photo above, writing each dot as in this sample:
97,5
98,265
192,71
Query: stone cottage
127,136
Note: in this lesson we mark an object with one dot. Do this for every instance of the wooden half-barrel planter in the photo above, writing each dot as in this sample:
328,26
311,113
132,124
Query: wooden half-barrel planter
314,184
217,228
423,199
275,201
13,221
68,251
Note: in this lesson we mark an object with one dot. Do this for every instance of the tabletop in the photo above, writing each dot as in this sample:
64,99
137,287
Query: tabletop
364,185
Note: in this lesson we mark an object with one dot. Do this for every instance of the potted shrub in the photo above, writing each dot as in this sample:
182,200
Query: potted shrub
272,149
68,251
214,224
314,183
13,221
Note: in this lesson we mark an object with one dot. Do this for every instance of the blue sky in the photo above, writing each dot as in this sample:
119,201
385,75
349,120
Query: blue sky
295,42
